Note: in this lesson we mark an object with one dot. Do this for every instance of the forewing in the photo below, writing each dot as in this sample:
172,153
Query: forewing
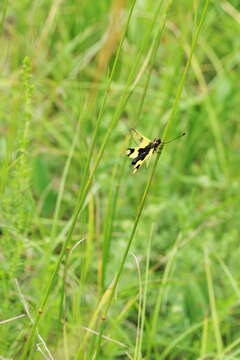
141,140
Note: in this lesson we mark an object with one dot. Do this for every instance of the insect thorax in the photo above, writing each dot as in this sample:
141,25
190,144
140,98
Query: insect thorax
155,144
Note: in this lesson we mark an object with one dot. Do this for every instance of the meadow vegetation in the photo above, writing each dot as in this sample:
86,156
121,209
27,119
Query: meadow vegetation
98,263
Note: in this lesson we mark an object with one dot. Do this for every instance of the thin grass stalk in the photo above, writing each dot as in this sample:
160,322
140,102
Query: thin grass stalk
160,297
107,228
232,280
138,349
214,314
4,7
204,338
65,342
156,44
139,305
110,216
64,178
90,239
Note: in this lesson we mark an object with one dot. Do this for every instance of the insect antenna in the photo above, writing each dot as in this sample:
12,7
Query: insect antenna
167,142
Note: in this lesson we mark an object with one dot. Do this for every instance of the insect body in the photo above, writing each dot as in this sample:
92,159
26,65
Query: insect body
145,149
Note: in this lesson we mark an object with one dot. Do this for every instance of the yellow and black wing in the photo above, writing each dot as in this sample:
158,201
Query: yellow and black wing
140,153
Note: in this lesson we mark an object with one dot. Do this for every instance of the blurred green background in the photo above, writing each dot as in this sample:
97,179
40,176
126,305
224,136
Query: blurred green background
71,73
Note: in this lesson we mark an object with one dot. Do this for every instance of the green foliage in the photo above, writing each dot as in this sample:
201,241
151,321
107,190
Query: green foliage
97,262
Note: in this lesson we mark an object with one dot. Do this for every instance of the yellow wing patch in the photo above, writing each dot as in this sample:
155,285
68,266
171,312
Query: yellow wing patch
133,152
